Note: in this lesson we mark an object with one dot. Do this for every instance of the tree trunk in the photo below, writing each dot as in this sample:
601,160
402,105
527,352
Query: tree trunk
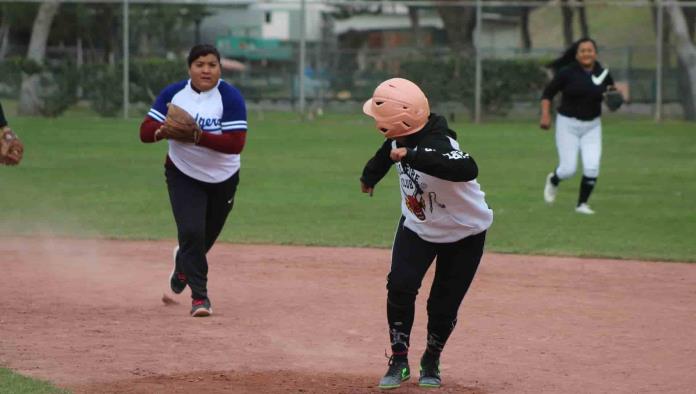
110,36
690,15
584,29
144,43
686,51
567,13
686,98
4,36
665,30
524,29
459,23
414,17
29,102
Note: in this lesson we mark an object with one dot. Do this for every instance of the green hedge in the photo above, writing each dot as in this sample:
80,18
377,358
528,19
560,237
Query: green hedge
103,87
147,78
11,74
59,84
101,83
503,81
10,77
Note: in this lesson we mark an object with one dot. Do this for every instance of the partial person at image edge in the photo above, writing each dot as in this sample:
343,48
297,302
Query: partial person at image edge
11,147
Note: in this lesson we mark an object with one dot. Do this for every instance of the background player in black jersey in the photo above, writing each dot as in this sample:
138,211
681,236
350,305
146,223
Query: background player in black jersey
583,82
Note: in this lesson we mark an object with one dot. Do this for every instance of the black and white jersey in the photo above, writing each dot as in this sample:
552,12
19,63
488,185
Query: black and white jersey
582,91
441,200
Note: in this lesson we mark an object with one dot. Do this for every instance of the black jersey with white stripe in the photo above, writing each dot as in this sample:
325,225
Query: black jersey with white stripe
582,91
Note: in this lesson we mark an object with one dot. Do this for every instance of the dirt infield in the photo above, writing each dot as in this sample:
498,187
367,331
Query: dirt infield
87,315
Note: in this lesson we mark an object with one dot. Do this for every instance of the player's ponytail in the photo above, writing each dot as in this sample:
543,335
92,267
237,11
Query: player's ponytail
568,55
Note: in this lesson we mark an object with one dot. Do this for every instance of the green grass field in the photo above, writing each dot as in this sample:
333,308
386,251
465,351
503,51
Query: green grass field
87,176
11,382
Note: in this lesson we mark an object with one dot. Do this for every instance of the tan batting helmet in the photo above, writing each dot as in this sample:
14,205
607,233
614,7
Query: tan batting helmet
399,108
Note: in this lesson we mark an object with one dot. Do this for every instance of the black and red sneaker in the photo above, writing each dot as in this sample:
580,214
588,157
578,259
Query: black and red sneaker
177,279
200,307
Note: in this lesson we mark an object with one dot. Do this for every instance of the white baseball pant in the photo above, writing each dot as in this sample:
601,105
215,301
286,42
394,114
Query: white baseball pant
573,135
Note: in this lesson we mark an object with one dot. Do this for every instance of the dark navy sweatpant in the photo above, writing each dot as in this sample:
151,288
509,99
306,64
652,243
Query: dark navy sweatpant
200,210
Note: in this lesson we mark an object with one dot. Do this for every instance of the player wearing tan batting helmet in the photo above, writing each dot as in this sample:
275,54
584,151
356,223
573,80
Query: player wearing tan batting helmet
443,215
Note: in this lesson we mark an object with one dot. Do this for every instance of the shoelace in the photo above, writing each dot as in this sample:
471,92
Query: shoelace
198,302
390,358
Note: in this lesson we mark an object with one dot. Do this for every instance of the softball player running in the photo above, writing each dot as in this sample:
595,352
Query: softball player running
444,215
202,175
583,83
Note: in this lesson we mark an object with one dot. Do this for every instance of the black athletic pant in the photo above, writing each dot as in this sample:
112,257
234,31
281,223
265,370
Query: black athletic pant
200,210
454,271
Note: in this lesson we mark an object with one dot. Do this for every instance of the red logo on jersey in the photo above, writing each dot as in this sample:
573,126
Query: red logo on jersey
416,206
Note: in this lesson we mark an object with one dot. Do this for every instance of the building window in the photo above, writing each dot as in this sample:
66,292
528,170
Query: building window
268,16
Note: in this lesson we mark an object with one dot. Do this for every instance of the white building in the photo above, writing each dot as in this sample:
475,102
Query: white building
273,21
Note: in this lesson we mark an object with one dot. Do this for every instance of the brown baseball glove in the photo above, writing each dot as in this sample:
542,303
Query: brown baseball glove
11,148
179,125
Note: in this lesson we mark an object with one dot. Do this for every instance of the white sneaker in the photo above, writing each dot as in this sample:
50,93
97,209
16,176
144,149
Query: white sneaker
584,209
550,190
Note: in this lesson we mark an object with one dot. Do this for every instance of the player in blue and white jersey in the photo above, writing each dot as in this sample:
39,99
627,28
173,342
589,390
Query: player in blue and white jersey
201,177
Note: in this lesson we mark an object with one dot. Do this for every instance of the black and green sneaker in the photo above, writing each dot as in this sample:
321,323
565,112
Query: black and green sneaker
398,372
429,374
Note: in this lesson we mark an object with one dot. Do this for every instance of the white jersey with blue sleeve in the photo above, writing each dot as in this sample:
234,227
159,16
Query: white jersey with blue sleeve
218,110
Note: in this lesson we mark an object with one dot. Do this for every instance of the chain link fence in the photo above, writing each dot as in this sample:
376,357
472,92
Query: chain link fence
346,48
